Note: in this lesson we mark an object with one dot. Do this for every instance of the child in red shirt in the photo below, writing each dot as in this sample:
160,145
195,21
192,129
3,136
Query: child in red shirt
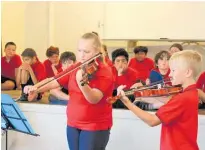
123,75
179,116
30,72
141,63
52,64
201,89
60,95
89,116
9,64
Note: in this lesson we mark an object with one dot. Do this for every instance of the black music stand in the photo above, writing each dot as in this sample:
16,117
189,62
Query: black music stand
12,118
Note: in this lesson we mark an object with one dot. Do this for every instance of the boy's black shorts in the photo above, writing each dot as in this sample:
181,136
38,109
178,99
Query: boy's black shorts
30,82
4,79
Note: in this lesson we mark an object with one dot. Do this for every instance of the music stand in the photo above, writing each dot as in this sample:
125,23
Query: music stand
12,118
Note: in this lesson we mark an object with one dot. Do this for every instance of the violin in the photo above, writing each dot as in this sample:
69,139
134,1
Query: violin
149,92
89,67
89,70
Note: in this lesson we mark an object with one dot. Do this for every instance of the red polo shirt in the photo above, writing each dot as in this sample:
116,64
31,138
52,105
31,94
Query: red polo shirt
201,82
8,68
49,71
39,70
179,119
86,116
143,67
128,78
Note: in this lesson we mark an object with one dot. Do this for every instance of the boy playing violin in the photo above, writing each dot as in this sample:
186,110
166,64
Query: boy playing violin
89,116
179,116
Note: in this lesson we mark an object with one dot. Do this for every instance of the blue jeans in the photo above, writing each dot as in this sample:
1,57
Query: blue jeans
55,101
87,140
58,102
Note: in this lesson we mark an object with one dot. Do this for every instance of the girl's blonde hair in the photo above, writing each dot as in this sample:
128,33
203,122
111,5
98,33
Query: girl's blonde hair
188,59
96,42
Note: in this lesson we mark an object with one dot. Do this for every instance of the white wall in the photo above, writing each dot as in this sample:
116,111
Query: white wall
13,23
36,27
154,20
41,24
72,19
26,24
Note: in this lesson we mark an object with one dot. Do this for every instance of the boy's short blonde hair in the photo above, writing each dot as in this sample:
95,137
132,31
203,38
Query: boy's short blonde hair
188,59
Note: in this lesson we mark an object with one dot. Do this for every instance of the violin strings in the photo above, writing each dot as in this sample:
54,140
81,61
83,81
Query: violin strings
154,84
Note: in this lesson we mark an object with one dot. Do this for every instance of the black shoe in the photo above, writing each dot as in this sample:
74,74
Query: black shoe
24,97
144,105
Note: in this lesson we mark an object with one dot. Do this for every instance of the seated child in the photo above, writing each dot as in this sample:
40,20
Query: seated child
30,72
175,48
52,64
60,95
123,75
160,74
9,64
141,63
161,71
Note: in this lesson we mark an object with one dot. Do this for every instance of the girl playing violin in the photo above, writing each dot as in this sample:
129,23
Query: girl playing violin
179,116
89,116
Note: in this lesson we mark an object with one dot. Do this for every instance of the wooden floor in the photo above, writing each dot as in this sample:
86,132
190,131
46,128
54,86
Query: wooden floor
15,94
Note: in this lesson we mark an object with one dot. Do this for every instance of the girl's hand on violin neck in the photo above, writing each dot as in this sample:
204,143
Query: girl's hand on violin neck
121,93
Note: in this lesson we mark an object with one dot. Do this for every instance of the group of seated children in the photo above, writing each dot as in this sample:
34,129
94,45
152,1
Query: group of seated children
16,74
148,73
134,73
